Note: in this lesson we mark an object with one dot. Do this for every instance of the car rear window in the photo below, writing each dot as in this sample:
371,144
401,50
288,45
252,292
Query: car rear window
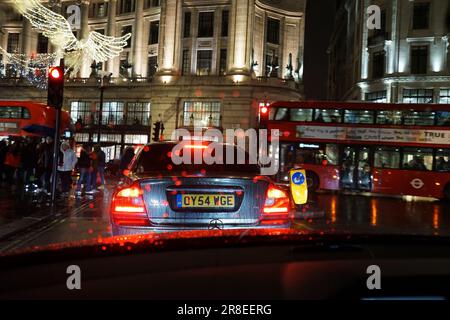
157,158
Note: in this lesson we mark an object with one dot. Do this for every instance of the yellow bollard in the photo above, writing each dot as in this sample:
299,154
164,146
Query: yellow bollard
299,187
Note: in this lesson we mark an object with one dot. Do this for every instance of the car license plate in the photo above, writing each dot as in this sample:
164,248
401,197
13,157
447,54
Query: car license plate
205,201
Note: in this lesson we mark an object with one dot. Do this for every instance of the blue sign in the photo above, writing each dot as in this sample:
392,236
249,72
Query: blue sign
298,178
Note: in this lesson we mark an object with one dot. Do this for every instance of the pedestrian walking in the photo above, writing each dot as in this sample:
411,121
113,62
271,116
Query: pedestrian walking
101,164
67,163
85,167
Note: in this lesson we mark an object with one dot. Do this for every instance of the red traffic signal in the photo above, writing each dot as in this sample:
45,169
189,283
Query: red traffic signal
55,87
263,115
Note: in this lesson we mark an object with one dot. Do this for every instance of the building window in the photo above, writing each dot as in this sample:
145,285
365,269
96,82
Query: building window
204,62
273,31
378,96
98,10
201,113
391,117
82,112
444,96
187,25
205,24
328,116
126,30
152,66
419,59
225,22
223,62
154,32
417,95
186,63
443,160
126,6
136,139
152,4
418,159
387,157
13,42
378,63
42,44
421,15
138,113
112,113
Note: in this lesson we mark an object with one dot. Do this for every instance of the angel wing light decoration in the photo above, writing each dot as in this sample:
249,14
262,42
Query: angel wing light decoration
57,29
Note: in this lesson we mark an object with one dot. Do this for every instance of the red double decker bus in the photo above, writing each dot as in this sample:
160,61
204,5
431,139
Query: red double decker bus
399,149
25,118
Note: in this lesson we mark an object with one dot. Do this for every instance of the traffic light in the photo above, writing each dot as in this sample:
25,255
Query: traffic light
263,115
156,131
55,87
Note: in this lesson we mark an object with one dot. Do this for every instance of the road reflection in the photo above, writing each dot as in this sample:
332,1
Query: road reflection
384,213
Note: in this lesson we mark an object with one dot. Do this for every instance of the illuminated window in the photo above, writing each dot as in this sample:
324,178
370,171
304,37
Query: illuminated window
359,116
82,112
417,96
138,113
204,62
387,157
378,96
419,118
389,117
202,113
14,113
328,116
112,113
418,159
136,139
443,160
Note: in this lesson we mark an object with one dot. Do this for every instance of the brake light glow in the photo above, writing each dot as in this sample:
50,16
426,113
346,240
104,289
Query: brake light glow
128,207
277,201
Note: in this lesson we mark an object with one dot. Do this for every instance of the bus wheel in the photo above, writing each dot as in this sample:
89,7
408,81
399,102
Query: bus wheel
313,181
447,192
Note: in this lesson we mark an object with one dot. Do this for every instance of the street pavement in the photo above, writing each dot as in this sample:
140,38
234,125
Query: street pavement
30,222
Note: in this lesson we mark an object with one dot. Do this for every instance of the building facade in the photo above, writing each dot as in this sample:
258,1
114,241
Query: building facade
203,62
406,61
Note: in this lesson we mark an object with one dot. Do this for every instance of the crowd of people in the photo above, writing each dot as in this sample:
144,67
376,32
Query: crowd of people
28,163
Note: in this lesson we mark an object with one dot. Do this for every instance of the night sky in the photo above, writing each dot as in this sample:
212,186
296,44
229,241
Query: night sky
319,25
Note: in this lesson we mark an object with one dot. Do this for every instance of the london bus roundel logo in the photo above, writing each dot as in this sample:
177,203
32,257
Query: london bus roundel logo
417,183
298,178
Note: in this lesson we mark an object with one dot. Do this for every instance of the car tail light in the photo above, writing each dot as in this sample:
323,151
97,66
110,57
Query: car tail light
277,202
128,207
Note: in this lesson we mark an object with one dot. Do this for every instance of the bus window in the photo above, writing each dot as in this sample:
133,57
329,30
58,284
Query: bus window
443,160
386,157
301,114
332,154
14,113
389,117
443,118
418,159
359,116
328,116
415,118
280,114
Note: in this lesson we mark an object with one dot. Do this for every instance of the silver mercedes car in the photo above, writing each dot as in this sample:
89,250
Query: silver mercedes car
158,195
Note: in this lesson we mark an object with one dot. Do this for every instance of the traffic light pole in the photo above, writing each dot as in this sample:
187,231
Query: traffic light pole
56,155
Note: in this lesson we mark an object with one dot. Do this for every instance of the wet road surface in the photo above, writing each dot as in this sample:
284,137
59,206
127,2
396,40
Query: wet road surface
75,219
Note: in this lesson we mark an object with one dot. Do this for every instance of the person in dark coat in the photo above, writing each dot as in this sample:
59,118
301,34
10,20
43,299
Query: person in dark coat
84,165
127,156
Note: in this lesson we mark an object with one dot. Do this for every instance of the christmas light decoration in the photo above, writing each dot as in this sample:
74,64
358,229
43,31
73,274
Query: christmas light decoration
57,29
33,68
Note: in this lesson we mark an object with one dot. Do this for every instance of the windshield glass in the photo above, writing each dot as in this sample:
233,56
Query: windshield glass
125,120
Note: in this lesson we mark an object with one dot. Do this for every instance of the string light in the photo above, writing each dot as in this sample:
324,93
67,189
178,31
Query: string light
57,29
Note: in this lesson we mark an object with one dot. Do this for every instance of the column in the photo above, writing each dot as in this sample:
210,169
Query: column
111,31
26,37
84,34
170,42
240,38
138,42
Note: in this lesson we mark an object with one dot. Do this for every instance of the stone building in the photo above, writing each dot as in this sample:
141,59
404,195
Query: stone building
188,61
406,61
